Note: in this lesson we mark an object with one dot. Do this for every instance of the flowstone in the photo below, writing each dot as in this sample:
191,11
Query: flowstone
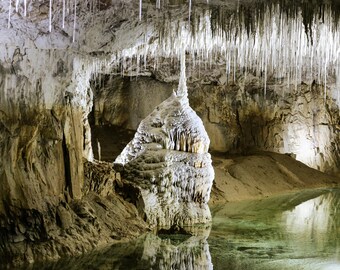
167,165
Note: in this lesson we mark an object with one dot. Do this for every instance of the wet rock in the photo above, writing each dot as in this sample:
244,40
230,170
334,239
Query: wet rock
64,217
100,178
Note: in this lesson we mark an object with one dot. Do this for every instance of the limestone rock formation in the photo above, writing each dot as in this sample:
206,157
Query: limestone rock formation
167,163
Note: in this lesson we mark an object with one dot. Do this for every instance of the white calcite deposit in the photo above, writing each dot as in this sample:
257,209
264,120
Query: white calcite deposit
168,164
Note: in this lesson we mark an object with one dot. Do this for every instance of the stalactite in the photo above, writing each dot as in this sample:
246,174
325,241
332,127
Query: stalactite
189,11
140,9
280,39
277,47
50,17
74,21
9,13
63,20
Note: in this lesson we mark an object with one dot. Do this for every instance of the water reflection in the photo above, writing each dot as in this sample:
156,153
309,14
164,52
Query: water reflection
190,254
172,252
297,231
151,251
311,222
310,217
312,226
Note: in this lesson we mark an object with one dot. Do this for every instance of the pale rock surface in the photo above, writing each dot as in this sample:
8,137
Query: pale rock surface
45,99
239,118
126,102
168,163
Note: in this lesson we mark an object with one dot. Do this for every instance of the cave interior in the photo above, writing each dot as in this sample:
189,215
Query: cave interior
118,117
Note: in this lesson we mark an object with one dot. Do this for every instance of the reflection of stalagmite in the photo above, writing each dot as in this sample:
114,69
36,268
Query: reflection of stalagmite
168,163
192,253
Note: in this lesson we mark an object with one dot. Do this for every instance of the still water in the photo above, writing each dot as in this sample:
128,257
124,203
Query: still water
300,231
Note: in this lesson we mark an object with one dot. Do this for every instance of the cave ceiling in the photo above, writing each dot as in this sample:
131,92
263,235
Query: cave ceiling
298,40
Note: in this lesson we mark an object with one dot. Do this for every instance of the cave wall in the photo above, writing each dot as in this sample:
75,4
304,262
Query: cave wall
125,101
51,205
238,116
45,99
44,136
41,143
36,131
286,120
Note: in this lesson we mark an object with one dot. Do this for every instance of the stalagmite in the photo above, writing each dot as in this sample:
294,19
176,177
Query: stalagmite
168,163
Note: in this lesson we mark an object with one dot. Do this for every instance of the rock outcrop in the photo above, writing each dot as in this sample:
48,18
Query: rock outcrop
48,209
168,166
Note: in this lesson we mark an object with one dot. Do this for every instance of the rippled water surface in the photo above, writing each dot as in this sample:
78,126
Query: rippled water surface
299,231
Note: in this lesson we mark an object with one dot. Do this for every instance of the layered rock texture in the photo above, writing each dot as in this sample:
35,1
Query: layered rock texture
44,136
168,166
68,227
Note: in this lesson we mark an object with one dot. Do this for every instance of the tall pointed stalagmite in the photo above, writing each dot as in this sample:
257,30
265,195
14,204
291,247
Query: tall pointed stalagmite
167,163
